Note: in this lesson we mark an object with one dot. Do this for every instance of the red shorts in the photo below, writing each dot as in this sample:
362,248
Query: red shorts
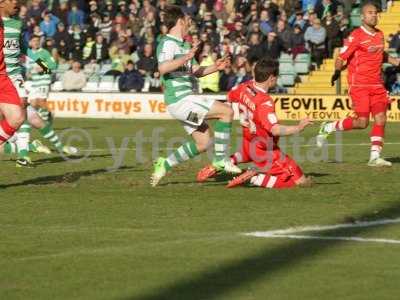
369,100
8,93
276,163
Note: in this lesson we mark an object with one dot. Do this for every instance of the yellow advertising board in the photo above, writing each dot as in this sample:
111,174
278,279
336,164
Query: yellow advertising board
151,106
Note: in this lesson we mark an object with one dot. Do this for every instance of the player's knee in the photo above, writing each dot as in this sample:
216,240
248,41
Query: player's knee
18,117
361,123
202,146
227,113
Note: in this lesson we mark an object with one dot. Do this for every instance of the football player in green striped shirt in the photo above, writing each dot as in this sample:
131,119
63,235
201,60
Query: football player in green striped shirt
13,52
178,68
37,60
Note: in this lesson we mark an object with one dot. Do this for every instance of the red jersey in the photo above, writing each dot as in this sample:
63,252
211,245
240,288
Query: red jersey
364,53
257,112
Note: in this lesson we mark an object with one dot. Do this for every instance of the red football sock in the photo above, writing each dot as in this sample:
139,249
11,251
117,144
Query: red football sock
377,135
344,124
274,182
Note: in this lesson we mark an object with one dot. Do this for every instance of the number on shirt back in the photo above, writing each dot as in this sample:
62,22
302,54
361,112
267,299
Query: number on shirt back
246,118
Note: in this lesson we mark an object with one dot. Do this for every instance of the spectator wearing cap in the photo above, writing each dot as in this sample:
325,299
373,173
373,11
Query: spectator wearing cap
266,25
298,19
315,37
130,79
74,79
49,24
76,16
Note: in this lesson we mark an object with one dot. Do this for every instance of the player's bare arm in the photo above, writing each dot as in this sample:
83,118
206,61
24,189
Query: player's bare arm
174,64
339,66
219,65
285,130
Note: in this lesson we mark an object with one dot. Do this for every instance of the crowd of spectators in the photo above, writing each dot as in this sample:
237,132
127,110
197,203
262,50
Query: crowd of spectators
88,34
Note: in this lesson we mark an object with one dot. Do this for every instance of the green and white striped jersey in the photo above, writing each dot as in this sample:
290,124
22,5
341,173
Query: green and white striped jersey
179,83
12,45
38,79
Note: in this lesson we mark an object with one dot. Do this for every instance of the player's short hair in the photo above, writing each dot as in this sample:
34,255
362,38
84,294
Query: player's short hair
370,3
264,69
172,13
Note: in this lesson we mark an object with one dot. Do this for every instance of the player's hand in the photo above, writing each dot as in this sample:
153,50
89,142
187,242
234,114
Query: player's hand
222,63
192,52
304,123
335,77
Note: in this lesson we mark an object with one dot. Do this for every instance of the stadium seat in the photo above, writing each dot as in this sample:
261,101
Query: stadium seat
355,18
286,79
285,58
302,63
106,84
57,86
105,68
91,86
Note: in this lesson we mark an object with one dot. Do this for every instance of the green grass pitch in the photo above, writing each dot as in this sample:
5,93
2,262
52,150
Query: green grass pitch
83,230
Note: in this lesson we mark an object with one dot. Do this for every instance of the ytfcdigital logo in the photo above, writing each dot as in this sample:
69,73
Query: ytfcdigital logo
145,148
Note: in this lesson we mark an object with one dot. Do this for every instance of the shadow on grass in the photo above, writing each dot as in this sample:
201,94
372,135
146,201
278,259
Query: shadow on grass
58,159
65,178
394,160
264,265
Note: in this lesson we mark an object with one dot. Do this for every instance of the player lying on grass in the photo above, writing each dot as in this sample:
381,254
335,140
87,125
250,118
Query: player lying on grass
364,53
178,67
261,132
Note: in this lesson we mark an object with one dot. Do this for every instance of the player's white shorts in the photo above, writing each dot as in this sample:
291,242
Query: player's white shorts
191,111
19,84
41,92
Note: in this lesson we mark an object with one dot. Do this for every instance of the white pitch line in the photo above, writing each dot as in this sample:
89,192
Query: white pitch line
334,238
285,147
290,232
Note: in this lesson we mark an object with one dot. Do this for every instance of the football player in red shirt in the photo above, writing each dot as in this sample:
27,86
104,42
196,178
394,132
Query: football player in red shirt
12,113
364,53
261,131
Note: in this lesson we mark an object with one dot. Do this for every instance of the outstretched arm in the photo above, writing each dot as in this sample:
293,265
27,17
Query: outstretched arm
167,65
284,130
220,64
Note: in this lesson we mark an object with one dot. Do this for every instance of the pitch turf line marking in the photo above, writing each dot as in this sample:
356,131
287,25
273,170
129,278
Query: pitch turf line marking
289,233
301,146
